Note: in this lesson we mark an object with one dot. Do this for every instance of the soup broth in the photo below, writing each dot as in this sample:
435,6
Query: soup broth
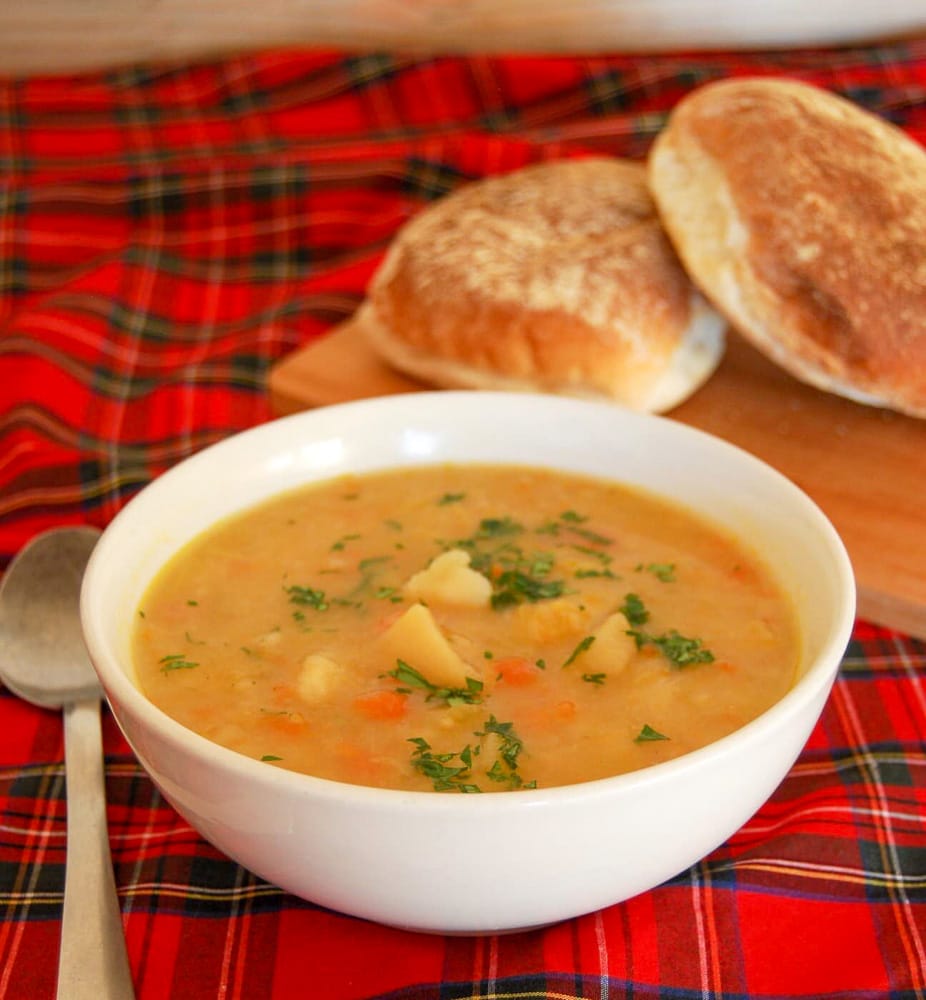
465,628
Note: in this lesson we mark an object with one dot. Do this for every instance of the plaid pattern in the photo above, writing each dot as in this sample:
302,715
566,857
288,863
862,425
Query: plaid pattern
166,233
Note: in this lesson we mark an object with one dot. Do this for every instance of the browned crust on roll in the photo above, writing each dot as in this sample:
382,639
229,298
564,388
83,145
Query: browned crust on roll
803,218
557,277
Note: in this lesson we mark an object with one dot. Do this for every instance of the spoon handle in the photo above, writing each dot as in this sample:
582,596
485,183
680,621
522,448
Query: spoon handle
93,964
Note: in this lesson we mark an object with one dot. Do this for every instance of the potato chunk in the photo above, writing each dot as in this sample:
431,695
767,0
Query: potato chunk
612,649
550,621
448,579
416,638
318,677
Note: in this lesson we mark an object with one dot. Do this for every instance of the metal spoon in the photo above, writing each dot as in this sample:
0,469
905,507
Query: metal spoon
43,659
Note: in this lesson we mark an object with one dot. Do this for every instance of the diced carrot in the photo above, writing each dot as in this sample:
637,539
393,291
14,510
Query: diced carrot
565,710
384,706
283,693
516,671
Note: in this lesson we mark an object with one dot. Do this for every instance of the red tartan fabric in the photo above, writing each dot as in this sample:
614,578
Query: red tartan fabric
166,233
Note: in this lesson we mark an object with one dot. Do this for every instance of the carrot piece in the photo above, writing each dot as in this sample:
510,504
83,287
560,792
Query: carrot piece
565,710
516,671
383,706
283,693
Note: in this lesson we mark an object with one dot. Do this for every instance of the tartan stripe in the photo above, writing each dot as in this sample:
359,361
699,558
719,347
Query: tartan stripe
167,233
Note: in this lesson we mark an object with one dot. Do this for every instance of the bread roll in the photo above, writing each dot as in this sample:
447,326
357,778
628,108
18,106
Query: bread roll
558,278
803,218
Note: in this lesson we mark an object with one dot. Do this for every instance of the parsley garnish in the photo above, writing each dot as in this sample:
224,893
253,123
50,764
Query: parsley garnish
449,498
270,757
580,648
453,772
595,678
411,678
505,767
679,650
648,735
516,576
515,587
447,771
662,571
308,597
176,661
633,610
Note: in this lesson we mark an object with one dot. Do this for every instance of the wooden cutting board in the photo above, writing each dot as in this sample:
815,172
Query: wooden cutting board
865,467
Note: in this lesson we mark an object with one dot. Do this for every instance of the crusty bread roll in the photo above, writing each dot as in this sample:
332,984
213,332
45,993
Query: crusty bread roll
803,218
556,277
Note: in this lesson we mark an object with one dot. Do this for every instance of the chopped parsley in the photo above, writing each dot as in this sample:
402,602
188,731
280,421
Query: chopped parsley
633,610
449,498
447,772
594,678
662,571
505,767
582,646
648,735
176,661
411,679
513,586
270,757
307,597
517,576
679,650
453,772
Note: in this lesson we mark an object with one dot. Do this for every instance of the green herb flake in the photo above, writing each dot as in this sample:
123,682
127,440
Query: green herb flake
662,571
342,542
679,650
505,768
176,661
499,527
449,498
633,610
516,587
192,604
269,757
440,768
594,678
583,645
307,596
648,735
413,679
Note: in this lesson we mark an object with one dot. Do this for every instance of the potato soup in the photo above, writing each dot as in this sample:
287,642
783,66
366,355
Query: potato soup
465,628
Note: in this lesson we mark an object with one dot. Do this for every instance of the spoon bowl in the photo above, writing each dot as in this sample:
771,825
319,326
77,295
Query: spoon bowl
44,659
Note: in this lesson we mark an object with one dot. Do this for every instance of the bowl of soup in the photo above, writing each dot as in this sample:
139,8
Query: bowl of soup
468,662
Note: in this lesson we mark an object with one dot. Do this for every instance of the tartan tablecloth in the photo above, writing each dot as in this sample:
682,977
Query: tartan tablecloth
166,233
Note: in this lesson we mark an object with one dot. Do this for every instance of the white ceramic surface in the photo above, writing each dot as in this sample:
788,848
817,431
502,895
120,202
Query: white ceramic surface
464,863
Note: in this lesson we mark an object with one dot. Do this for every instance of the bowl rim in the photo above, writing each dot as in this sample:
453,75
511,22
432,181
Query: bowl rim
118,688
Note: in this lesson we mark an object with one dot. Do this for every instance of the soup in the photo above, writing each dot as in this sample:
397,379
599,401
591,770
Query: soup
465,628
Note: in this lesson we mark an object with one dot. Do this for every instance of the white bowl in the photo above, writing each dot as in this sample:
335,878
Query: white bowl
465,863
